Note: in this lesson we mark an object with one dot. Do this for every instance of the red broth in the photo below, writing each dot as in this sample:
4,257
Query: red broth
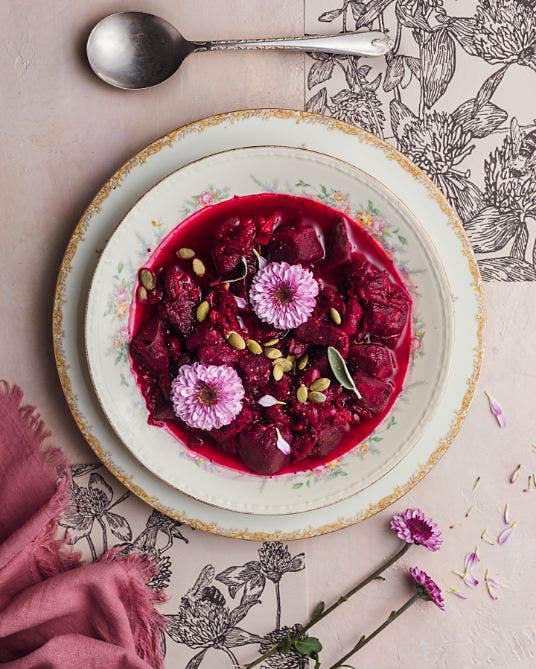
197,232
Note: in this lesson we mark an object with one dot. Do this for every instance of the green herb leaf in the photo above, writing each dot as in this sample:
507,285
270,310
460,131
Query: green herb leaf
285,645
319,609
340,370
310,646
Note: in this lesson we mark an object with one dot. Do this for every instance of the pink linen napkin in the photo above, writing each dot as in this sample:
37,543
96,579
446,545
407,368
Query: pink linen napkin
54,612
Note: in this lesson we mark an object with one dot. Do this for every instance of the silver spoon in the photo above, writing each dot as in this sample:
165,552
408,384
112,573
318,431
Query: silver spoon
133,50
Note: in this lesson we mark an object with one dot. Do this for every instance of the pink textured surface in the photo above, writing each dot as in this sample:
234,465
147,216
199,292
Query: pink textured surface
63,133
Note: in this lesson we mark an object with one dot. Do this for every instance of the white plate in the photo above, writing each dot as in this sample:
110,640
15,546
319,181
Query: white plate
243,172
254,128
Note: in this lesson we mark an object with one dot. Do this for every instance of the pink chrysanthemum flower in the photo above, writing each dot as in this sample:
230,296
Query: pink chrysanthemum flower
413,527
283,295
427,588
207,396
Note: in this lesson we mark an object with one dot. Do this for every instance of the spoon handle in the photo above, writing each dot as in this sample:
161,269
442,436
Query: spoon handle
370,43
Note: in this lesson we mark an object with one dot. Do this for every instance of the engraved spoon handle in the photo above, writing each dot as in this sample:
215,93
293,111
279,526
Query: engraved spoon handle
369,43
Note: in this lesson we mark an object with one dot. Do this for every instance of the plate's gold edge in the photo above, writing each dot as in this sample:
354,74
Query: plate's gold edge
166,141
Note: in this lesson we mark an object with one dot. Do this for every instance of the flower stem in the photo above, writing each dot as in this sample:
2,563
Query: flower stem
278,600
344,598
118,501
365,639
91,547
104,537
232,656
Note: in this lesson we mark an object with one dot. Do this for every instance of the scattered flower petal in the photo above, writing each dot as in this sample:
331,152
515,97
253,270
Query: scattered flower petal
484,537
515,473
492,585
413,527
529,484
471,559
283,295
506,515
240,302
454,591
477,480
468,511
426,587
207,396
451,527
282,444
496,410
505,534
269,401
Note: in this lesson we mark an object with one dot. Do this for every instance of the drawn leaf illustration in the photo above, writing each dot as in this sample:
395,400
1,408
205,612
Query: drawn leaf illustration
489,87
394,73
320,71
438,63
373,9
491,230
318,104
521,240
506,269
409,19
401,117
329,16
481,123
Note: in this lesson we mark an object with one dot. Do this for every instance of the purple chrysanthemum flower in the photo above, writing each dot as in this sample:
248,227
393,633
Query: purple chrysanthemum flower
413,527
427,588
207,396
283,295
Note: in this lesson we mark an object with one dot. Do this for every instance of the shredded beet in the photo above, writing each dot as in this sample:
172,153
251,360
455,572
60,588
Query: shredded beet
362,309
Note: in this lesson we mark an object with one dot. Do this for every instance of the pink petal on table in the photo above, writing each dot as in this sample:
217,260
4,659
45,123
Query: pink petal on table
282,444
454,591
514,474
477,480
506,515
505,534
471,559
496,410
470,580
484,537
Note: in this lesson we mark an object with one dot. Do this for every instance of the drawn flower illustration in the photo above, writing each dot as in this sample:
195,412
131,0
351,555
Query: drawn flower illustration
206,198
94,503
274,561
204,620
501,31
279,661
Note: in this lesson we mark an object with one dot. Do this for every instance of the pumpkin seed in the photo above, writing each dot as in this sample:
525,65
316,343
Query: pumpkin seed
320,384
147,279
301,394
202,311
285,364
302,362
272,353
316,397
271,342
254,347
185,254
236,341
198,267
335,316
142,294
277,372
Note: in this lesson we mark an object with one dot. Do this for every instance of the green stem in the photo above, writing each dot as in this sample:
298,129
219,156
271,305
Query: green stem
365,639
344,598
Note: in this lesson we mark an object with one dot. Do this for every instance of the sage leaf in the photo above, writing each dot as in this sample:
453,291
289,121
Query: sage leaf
310,646
340,371
318,610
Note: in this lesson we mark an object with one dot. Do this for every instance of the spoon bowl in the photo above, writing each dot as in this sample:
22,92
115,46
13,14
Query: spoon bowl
134,50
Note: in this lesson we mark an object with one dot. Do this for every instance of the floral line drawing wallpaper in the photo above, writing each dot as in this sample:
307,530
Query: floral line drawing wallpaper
453,96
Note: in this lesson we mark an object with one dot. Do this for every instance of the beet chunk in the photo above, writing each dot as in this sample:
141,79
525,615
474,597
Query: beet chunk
229,433
373,359
180,302
352,316
315,331
149,347
385,320
295,244
256,371
338,245
329,438
303,446
258,449
375,393
217,354
204,335
233,241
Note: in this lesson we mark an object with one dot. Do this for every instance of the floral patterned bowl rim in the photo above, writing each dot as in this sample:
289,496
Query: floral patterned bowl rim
240,129
242,172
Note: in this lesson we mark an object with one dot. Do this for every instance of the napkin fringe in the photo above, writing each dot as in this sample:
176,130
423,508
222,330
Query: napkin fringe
52,555
147,624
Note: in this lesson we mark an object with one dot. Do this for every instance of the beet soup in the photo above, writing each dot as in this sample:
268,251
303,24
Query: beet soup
231,323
